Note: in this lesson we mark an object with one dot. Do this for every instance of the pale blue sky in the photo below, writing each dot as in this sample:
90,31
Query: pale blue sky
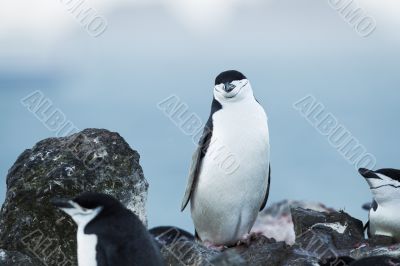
288,49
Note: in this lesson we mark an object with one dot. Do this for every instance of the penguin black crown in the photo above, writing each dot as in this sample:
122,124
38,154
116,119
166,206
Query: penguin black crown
229,84
108,233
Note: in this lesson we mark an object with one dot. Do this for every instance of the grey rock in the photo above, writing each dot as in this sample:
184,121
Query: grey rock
366,250
337,261
186,252
326,236
377,261
276,220
336,228
92,160
263,251
229,258
179,247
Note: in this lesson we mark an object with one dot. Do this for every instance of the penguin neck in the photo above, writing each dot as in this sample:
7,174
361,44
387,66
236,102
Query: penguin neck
244,96
84,219
388,202
227,103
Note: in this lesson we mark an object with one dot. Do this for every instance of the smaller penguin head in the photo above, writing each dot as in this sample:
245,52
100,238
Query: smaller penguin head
231,86
384,184
85,207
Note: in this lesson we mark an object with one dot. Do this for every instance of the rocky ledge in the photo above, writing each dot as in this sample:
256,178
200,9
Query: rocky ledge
325,237
32,232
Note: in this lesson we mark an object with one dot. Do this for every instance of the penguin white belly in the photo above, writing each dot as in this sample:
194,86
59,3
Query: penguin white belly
385,221
86,249
228,196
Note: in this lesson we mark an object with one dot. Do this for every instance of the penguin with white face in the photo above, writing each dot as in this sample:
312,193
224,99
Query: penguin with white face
108,233
229,177
384,215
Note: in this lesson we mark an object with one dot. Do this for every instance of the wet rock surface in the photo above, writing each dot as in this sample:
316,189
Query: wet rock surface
32,232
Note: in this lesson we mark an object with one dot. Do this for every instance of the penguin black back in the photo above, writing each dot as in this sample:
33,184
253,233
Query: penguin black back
122,239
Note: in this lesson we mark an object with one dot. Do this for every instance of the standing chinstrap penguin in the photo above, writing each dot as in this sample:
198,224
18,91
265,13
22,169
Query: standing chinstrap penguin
384,215
225,202
108,233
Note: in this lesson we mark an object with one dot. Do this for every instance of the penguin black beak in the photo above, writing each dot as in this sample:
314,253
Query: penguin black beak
367,206
368,174
61,203
228,87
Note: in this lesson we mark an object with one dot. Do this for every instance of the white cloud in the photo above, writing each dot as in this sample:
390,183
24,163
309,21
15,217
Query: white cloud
202,15
43,18
30,16
205,16
386,11
47,18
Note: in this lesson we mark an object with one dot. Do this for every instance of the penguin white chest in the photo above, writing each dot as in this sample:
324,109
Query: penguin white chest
86,248
228,196
385,220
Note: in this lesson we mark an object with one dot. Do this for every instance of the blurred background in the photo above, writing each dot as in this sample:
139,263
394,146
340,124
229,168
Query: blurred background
151,49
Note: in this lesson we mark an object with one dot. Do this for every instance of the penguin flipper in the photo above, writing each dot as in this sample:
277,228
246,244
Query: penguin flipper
267,193
199,154
195,166
196,160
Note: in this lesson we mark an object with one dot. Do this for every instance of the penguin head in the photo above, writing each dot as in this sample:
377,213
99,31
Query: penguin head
384,183
85,207
232,86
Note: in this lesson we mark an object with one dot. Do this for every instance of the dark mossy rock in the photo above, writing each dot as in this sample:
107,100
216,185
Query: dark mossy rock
336,228
263,251
367,250
229,257
377,261
184,252
179,247
92,160
326,236
166,235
